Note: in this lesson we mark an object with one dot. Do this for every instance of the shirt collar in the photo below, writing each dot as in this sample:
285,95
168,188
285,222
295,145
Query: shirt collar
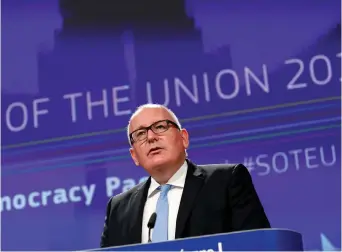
177,180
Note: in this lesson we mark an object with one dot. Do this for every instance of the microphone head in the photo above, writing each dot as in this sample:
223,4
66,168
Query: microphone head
152,221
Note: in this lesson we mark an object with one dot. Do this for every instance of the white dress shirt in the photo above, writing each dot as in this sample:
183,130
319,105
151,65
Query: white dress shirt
174,197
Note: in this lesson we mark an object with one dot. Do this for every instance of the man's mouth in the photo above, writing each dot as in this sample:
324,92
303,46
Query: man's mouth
154,150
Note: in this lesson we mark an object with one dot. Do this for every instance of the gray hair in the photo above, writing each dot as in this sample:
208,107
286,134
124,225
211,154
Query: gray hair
151,105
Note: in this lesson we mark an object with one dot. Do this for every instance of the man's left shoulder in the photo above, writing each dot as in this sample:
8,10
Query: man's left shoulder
226,168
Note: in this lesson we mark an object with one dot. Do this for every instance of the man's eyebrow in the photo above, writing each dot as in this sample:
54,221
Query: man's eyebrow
140,127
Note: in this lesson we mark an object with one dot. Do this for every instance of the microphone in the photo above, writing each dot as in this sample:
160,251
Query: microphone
150,224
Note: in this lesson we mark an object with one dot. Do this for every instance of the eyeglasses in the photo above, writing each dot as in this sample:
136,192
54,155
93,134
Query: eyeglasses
157,128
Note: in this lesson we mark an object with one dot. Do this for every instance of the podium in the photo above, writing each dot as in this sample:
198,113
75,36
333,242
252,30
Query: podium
252,240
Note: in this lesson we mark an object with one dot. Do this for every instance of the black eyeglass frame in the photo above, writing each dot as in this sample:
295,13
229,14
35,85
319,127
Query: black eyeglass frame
169,122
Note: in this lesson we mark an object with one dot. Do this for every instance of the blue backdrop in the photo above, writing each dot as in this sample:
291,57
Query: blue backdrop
257,84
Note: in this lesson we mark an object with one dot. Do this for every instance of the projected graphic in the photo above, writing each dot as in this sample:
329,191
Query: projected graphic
264,92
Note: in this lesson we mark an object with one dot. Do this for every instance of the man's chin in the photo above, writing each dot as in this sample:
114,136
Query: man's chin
157,161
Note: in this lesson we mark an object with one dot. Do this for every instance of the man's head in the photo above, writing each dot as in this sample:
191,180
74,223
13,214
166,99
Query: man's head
158,143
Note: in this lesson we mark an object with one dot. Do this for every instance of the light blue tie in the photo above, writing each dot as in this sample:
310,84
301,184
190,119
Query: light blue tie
161,227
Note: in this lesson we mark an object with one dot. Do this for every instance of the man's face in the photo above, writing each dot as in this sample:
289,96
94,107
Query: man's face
158,150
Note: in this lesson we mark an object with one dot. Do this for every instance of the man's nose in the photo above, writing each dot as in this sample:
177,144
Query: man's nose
151,135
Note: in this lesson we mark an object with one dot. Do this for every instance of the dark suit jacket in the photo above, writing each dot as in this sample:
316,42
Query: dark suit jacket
216,199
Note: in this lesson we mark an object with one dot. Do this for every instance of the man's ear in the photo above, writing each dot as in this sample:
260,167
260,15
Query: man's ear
185,136
134,156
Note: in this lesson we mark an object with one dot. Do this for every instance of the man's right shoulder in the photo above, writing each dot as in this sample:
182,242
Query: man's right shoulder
125,197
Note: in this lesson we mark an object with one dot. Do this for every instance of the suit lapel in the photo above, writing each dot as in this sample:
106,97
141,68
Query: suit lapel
193,183
136,212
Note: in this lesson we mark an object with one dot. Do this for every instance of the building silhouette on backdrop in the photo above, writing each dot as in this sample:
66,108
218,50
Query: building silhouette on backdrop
112,43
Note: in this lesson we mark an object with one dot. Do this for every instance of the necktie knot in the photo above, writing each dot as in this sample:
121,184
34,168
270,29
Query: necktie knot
164,189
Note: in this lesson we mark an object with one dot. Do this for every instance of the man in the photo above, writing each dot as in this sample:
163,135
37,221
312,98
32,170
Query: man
189,199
